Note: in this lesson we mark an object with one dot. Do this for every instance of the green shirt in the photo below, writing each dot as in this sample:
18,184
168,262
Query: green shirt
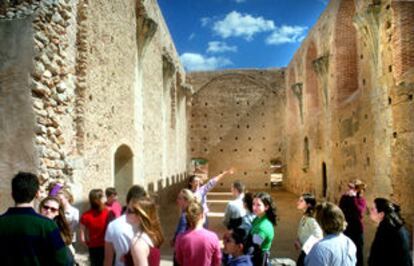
262,232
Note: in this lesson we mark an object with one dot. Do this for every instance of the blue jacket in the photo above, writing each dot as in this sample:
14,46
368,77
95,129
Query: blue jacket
243,260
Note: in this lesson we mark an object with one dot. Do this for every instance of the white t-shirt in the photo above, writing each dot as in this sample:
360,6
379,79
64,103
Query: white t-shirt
120,234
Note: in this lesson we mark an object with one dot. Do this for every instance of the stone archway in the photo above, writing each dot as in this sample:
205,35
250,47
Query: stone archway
123,170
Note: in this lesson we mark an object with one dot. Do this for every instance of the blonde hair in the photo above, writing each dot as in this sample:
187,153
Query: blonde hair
194,213
146,209
188,195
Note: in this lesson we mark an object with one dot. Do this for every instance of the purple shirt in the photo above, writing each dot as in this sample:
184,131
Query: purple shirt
198,247
202,191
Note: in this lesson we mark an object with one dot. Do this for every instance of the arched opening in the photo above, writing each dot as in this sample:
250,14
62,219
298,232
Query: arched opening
123,170
346,67
324,181
311,86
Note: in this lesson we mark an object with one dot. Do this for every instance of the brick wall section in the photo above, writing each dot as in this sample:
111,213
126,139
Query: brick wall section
346,51
403,40
237,120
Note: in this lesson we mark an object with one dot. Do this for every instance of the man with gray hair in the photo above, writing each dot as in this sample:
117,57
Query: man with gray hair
235,209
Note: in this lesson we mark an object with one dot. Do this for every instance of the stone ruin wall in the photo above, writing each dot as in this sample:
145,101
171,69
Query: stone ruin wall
96,86
237,119
349,99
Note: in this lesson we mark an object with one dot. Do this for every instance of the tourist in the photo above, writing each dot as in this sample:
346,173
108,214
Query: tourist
52,208
93,224
335,249
148,237
235,209
119,233
262,233
391,245
248,218
200,191
71,213
112,202
234,245
308,226
28,238
353,205
197,246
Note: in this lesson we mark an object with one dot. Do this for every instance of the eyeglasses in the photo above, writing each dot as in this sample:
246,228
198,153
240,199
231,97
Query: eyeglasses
52,209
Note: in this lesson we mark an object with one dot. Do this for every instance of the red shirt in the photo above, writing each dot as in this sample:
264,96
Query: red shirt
96,223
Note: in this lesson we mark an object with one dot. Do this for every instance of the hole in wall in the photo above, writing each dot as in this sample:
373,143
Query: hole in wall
264,149
395,135
237,102
221,138
364,140
410,97
263,138
265,172
388,24
236,138
388,7
205,126
192,115
221,150
205,150
235,150
247,126
368,161
366,116
280,149
90,97
361,56
249,138
250,150
363,82
389,100
238,126
266,184
206,104
390,68
237,114
205,115
245,173
221,126
192,149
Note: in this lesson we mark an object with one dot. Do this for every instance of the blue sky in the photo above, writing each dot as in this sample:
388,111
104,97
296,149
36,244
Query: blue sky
227,34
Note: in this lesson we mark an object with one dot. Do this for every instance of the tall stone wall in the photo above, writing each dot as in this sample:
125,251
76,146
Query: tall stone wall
348,93
99,81
237,120
17,121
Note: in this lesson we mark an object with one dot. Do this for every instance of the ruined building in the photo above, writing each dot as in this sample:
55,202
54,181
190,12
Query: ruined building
93,92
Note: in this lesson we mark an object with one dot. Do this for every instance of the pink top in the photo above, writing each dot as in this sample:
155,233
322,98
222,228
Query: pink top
198,247
115,207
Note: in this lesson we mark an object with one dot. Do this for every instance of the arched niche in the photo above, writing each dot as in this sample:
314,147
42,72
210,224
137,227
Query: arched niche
123,170
345,43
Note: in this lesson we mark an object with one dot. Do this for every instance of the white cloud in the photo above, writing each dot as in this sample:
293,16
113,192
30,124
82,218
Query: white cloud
197,62
192,36
287,34
242,25
205,21
239,1
220,47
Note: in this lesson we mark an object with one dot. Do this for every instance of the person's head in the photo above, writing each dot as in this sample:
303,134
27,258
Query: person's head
51,207
237,188
234,243
96,199
248,201
110,194
263,205
184,198
25,186
142,212
384,210
306,203
194,214
194,182
357,186
135,192
65,196
330,217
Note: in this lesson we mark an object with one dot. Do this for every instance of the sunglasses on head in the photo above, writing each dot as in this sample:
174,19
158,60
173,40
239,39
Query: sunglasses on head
52,209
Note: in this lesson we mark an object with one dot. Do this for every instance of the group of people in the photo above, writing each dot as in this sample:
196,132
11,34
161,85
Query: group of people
334,235
327,234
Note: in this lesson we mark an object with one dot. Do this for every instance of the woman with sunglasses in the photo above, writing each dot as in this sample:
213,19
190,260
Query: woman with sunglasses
52,208
145,245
